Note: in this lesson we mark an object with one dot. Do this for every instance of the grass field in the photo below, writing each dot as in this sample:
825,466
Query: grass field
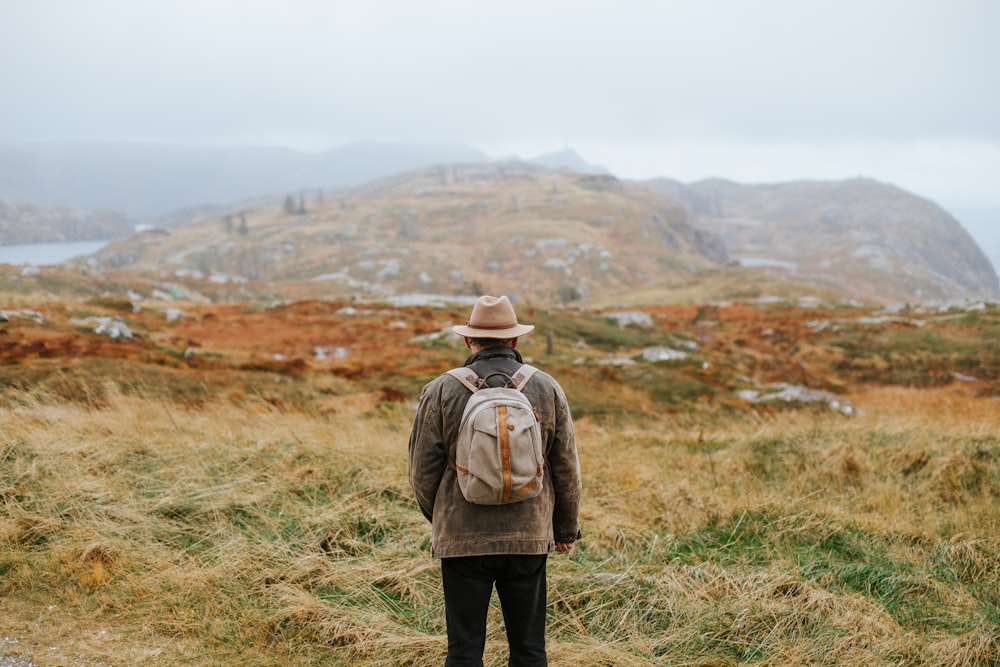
140,532
237,509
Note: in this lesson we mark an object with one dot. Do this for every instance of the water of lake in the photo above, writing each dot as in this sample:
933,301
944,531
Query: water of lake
41,254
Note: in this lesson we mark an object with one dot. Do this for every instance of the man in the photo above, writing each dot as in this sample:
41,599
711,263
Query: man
503,545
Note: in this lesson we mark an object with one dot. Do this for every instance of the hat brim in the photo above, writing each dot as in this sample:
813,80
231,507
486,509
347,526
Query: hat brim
510,332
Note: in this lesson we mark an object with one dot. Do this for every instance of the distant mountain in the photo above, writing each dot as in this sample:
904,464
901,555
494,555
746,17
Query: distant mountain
146,181
873,239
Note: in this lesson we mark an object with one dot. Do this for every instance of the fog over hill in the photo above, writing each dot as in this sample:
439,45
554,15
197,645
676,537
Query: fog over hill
147,181
173,184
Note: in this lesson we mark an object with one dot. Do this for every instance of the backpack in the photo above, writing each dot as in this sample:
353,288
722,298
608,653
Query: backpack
499,451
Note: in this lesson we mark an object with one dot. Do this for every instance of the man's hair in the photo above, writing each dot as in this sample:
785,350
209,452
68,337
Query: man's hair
486,343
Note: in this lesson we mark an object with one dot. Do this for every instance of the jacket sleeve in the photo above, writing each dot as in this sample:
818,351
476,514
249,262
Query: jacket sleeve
564,466
427,455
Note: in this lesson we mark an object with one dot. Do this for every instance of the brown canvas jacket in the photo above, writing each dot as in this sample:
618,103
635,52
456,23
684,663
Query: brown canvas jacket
460,528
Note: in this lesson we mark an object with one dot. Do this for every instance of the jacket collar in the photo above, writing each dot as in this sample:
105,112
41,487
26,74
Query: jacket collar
494,353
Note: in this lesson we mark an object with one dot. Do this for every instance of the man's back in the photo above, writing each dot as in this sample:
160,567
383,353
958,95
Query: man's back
461,528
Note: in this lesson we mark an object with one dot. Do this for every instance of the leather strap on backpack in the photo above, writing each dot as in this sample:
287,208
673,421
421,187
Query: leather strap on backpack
522,375
466,377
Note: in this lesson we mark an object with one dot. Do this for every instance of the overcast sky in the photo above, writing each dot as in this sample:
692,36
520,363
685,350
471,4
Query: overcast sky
903,91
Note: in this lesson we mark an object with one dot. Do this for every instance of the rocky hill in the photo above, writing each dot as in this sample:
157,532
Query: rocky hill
556,237
525,231
874,240
858,237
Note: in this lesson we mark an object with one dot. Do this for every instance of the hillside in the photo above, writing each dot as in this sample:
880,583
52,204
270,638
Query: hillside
875,240
558,237
534,234
640,360
187,482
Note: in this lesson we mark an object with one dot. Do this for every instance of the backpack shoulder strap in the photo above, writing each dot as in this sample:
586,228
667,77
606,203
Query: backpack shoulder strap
467,377
522,375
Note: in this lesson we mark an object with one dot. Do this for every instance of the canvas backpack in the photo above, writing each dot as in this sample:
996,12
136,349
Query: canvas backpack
499,456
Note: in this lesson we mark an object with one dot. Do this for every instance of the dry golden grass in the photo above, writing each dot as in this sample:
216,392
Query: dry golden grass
142,532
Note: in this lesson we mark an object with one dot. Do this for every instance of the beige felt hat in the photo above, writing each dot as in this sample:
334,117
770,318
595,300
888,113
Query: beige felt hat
492,317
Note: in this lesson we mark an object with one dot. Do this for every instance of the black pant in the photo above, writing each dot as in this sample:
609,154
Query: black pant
468,585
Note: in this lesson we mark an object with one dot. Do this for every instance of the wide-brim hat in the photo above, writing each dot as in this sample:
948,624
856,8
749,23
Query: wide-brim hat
492,317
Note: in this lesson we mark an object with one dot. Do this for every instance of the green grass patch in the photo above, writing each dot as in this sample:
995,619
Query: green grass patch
906,582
